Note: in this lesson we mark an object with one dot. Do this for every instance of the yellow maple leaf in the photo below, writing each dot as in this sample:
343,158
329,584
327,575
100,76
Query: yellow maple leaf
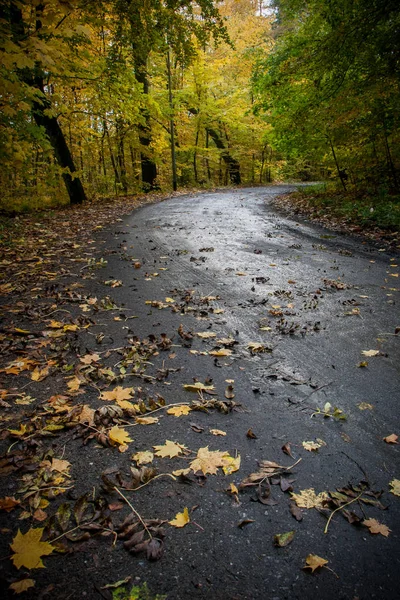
143,458
117,394
181,519
21,586
126,405
178,411
29,549
88,359
119,436
309,499
170,449
313,561
375,527
208,461
395,484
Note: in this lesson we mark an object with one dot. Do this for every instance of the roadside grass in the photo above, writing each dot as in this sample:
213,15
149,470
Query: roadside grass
354,208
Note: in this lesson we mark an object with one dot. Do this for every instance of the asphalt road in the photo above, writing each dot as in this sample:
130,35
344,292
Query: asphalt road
309,302
323,299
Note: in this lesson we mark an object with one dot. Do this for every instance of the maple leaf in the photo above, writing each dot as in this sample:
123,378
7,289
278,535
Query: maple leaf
40,374
395,484
208,461
309,499
21,586
178,411
60,465
313,561
375,527
391,439
143,458
119,436
170,449
117,394
310,446
181,519
29,549
87,415
88,359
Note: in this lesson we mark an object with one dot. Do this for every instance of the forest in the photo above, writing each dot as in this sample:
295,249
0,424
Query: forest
110,98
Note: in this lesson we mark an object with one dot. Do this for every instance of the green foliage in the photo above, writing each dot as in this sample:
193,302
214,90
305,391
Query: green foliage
136,593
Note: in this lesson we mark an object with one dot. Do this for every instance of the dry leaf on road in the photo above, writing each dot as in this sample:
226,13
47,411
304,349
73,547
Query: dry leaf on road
169,449
179,411
309,499
313,561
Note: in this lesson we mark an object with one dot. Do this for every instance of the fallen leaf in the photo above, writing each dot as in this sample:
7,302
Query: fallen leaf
286,449
118,393
178,411
88,359
231,465
256,348
229,392
181,519
146,420
370,352
198,387
310,446
8,503
395,483
283,539
217,432
375,527
309,499
222,352
60,465
391,439
313,561
169,449
363,364
21,586
143,458
365,406
205,335
29,549
119,436
296,512
209,461
251,435
244,522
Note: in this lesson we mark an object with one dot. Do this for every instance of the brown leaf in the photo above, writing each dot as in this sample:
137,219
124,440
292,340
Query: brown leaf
391,439
8,503
286,449
245,522
296,512
251,435
375,527
313,561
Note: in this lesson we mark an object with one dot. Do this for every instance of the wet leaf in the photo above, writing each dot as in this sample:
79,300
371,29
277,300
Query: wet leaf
365,406
309,499
231,465
118,393
21,586
179,411
391,439
169,449
395,485
198,387
313,561
205,335
296,512
143,458
375,527
209,461
181,519
283,539
29,549
245,522
119,436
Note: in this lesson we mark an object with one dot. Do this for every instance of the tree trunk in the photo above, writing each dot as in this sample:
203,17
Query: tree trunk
231,163
149,168
61,150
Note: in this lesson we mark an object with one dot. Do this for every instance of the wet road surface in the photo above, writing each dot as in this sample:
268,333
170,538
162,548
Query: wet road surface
315,300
